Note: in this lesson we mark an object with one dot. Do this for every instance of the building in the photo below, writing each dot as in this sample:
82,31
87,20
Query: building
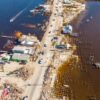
67,1
27,43
28,40
67,29
20,57
23,50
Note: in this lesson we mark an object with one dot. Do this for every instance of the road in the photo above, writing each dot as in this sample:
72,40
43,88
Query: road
55,23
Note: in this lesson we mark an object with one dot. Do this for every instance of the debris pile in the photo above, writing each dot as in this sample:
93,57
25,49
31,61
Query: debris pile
11,92
23,73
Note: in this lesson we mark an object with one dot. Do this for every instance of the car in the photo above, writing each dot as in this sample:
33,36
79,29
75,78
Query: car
53,19
45,45
49,31
22,62
51,25
40,61
55,38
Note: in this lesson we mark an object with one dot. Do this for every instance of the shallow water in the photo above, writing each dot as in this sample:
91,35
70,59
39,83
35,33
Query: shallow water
88,46
89,27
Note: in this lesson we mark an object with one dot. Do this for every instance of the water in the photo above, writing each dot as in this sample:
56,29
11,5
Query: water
18,11
87,25
91,29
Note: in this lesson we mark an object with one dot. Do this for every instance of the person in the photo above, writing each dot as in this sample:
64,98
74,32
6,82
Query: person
25,98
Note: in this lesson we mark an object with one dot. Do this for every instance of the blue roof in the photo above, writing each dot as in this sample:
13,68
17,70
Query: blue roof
67,29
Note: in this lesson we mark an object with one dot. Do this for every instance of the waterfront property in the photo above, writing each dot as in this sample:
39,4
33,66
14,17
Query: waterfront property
67,29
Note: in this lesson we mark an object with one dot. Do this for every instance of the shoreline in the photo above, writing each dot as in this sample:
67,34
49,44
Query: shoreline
52,57
70,18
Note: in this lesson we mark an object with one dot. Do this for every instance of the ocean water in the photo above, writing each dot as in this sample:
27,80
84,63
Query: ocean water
88,26
19,11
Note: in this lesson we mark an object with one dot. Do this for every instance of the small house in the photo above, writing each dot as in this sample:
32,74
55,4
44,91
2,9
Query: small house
68,29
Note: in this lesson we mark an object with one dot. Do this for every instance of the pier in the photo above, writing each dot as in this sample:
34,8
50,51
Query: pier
2,51
5,36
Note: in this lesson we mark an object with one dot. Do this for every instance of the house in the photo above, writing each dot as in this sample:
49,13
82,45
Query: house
23,50
68,29
20,57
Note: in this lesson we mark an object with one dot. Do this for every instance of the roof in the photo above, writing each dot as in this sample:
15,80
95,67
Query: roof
28,43
17,56
67,1
23,50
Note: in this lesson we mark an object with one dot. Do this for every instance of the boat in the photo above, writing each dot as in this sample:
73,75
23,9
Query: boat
16,16
97,64
11,20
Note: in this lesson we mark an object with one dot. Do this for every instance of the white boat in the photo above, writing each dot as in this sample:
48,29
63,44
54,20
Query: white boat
11,20
16,16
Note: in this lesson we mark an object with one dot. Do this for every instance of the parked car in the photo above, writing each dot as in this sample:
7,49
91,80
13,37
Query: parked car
22,62
45,45
40,61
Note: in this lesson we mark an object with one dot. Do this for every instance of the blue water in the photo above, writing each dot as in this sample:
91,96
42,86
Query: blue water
20,10
10,8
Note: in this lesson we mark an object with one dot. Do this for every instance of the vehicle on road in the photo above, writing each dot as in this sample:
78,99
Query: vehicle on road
40,61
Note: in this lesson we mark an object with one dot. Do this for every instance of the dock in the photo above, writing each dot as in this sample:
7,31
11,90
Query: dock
2,51
5,36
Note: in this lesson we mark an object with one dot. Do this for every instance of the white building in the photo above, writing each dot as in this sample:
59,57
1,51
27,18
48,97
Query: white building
23,50
67,1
